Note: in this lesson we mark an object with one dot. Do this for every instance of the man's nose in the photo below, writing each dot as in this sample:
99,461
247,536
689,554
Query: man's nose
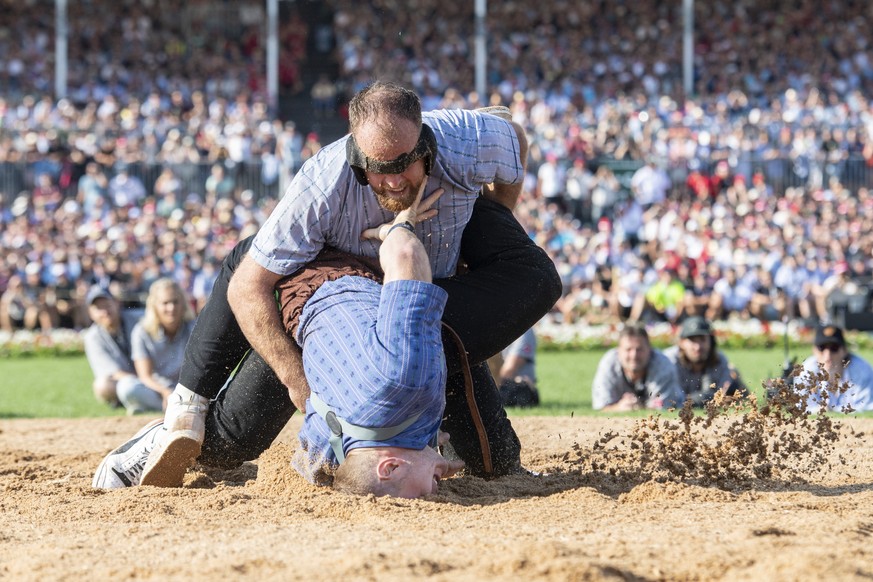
393,180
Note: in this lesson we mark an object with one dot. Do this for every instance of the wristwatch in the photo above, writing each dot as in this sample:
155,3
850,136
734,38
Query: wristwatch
405,225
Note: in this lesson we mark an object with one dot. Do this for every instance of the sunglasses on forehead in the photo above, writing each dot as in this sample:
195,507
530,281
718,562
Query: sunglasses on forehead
425,149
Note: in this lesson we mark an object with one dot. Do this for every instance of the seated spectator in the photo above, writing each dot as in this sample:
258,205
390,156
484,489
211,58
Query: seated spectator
634,376
768,302
844,294
697,295
649,184
219,186
518,375
107,347
662,301
730,295
22,307
125,190
838,279
66,300
702,370
324,96
791,277
845,379
158,344
817,272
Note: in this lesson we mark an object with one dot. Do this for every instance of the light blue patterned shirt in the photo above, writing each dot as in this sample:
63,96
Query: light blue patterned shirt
374,355
325,204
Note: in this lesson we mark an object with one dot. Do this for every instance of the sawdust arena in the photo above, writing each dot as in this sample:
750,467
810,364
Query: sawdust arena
742,492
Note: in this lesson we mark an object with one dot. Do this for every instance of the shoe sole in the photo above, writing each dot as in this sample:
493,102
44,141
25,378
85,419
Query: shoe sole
169,462
100,475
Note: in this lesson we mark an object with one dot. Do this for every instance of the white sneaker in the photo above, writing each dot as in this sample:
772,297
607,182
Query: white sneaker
123,467
169,461
179,447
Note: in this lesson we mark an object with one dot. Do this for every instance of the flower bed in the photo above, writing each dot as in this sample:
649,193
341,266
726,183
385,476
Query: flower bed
748,334
552,336
58,342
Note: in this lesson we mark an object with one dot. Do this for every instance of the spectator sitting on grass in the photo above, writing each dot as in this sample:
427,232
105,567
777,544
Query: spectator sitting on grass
107,347
158,344
845,379
701,368
634,376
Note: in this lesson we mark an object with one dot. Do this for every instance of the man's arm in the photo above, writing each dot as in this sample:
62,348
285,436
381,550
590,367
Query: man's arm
250,295
603,391
512,363
507,194
517,355
663,384
401,254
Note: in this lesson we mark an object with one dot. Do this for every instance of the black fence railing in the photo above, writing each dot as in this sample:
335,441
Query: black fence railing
263,180
268,181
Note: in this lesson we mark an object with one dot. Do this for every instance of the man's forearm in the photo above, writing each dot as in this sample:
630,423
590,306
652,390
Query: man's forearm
251,298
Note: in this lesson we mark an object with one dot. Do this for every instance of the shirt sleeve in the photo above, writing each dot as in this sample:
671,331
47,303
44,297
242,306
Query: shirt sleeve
104,361
298,227
604,390
476,148
861,379
525,346
662,383
138,344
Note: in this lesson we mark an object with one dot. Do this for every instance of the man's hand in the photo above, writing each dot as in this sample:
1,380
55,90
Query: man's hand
452,466
627,402
419,211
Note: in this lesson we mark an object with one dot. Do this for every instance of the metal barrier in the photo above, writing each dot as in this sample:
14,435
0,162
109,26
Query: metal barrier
19,178
780,173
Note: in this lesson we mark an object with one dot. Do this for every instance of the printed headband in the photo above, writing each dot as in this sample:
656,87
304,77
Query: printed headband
425,149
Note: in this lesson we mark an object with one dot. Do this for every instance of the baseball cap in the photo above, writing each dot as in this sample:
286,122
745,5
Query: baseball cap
695,326
95,293
829,335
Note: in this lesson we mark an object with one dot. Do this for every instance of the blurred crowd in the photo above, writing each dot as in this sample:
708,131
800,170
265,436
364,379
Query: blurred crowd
748,200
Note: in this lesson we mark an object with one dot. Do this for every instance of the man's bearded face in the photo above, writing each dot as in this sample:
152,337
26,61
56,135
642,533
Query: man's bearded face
398,148
396,192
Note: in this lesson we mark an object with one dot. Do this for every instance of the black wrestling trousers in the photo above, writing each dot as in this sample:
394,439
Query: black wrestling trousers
510,283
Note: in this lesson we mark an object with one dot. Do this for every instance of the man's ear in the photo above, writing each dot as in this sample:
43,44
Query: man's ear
387,467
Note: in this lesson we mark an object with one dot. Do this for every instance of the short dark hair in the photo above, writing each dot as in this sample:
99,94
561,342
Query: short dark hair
634,330
382,98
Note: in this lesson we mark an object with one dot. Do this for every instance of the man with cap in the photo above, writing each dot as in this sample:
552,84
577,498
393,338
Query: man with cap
845,377
107,347
701,368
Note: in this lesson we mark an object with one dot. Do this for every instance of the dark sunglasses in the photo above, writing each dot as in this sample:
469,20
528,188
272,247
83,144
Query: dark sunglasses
829,347
425,148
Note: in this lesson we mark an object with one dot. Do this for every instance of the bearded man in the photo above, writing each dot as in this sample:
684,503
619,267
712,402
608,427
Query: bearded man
340,198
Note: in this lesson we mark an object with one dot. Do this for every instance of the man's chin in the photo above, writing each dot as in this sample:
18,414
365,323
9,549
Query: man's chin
393,204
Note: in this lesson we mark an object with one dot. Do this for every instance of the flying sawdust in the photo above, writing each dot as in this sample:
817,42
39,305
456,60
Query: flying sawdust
733,444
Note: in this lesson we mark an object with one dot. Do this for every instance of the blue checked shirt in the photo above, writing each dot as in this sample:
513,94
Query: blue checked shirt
325,205
374,355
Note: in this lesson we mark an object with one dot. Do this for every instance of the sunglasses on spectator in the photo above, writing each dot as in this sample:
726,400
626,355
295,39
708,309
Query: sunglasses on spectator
829,347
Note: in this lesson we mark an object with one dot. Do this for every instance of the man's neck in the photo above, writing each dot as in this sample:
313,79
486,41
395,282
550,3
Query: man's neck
635,375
